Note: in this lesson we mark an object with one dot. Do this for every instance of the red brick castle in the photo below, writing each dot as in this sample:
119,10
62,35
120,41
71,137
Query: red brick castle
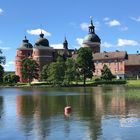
120,63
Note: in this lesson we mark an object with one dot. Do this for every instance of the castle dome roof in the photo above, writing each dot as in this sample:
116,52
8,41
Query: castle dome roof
92,37
42,41
25,44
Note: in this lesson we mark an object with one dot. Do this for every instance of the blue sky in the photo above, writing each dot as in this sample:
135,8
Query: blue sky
117,23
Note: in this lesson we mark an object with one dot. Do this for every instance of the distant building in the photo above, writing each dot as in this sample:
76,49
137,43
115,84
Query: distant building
42,53
121,64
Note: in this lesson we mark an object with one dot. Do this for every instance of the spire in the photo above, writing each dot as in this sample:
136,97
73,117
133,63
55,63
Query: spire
41,35
26,40
91,26
65,43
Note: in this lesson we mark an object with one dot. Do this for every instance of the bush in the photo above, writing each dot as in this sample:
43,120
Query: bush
97,79
110,82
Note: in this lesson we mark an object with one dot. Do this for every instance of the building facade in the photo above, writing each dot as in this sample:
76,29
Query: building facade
42,53
121,64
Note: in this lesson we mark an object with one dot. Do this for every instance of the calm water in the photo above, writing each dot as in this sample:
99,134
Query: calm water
99,113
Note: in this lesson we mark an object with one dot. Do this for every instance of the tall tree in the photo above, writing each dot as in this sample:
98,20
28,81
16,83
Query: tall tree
56,72
44,75
2,58
85,63
106,73
29,69
70,72
1,73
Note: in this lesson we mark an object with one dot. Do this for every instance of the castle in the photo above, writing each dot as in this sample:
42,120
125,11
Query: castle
121,64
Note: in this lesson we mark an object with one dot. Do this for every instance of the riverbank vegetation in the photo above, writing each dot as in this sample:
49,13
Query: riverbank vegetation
70,72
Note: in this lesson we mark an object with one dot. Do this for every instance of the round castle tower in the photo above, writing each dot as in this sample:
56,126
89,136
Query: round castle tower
92,40
42,53
23,51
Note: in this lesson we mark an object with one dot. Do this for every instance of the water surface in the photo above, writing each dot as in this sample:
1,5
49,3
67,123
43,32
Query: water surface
98,113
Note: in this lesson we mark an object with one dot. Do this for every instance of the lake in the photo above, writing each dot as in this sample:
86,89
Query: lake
98,113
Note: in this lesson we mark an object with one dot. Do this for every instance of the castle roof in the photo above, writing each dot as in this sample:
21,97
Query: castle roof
25,44
91,37
133,59
42,41
110,55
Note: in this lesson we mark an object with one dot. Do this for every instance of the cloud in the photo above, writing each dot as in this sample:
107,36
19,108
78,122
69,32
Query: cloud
125,28
11,62
79,41
113,22
135,18
57,46
1,11
38,31
126,42
9,66
5,48
84,26
107,45
106,19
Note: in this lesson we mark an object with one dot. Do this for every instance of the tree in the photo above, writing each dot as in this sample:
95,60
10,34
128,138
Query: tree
1,73
70,72
29,69
85,63
15,78
2,58
44,74
56,72
106,73
11,78
7,78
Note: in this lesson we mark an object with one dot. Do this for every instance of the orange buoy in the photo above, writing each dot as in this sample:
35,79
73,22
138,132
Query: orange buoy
67,110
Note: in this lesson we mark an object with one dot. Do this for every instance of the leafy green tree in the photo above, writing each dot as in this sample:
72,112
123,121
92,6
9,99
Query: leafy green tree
1,73
15,78
85,63
11,78
29,69
44,75
7,78
56,72
70,72
2,58
106,73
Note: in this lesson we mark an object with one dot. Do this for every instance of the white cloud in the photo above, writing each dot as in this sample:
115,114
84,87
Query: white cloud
38,31
126,42
84,26
79,41
11,62
125,28
113,22
136,18
57,46
106,19
5,48
1,11
107,45
9,66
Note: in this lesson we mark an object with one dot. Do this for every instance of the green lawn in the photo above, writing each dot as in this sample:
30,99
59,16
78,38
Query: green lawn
133,82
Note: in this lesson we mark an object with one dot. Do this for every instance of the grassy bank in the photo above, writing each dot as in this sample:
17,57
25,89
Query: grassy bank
133,83
73,84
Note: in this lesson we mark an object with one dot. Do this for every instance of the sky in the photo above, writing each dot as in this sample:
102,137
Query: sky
117,23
